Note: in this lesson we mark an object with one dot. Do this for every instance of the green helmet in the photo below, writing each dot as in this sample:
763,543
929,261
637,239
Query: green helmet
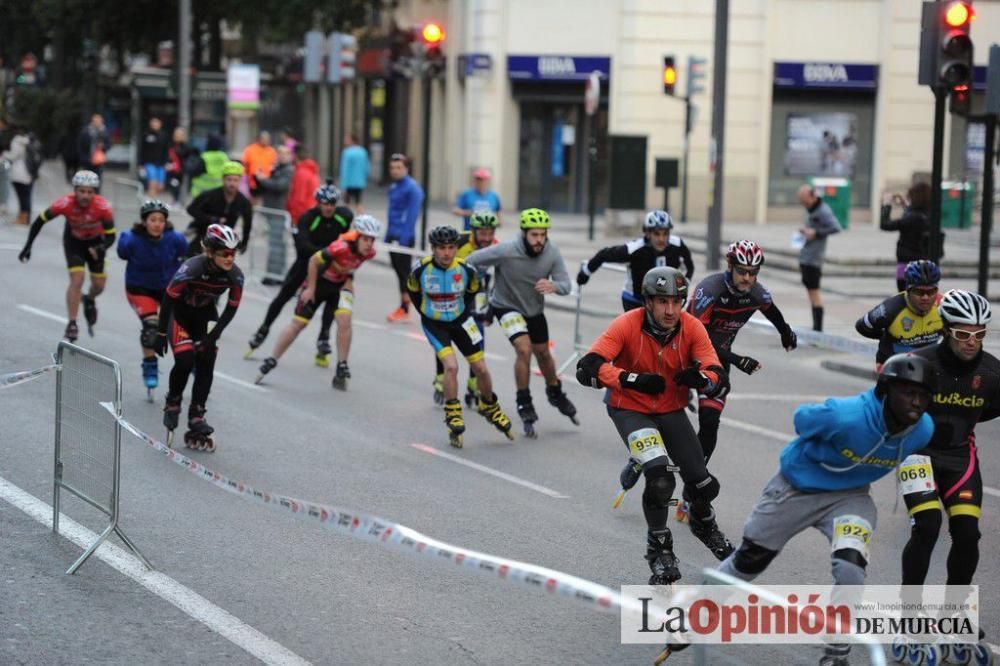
535,218
483,219
232,168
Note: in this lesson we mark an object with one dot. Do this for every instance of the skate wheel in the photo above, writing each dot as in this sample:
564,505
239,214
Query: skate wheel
932,655
510,435
322,361
170,439
260,378
960,654
619,498
149,395
898,650
456,441
914,655
982,655
249,355
574,420
209,444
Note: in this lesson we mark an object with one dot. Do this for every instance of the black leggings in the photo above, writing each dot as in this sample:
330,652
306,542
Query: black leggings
401,264
23,191
293,280
202,361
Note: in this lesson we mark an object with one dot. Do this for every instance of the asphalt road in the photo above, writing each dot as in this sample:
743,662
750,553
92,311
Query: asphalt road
332,600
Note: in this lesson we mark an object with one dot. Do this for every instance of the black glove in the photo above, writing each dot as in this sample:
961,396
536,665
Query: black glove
692,378
788,338
160,345
747,364
649,383
25,254
582,278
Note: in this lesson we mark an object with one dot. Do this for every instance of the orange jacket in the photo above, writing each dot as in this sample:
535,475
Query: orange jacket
627,347
258,158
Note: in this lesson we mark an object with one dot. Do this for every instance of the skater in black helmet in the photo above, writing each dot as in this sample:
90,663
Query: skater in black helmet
187,310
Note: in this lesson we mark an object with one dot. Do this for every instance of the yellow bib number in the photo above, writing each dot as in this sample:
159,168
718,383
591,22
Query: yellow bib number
852,532
513,323
475,337
646,444
916,475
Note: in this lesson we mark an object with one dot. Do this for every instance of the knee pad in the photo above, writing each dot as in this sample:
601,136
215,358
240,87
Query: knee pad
926,525
660,484
848,567
150,329
964,530
752,558
707,489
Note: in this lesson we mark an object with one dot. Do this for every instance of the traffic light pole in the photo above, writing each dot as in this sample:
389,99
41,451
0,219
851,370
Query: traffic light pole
940,96
425,171
986,223
718,131
687,146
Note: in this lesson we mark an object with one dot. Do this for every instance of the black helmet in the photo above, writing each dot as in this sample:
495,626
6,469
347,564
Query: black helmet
150,206
665,281
443,235
907,368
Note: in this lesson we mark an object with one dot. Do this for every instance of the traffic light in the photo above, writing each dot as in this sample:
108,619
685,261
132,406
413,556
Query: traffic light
342,57
669,75
432,36
945,45
696,76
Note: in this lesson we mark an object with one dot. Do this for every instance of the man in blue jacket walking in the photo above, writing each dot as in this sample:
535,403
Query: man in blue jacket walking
843,445
406,199
354,166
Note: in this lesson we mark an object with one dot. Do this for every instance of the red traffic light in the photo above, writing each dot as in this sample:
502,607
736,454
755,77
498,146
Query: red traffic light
432,34
959,14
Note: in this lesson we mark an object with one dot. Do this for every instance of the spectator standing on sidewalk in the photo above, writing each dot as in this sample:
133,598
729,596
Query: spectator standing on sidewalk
305,182
406,199
178,154
70,153
20,174
914,228
477,197
820,223
259,158
5,137
92,146
274,193
153,158
206,170
354,168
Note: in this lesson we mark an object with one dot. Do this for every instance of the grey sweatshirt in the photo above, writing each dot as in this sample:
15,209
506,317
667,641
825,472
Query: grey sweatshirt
825,223
517,273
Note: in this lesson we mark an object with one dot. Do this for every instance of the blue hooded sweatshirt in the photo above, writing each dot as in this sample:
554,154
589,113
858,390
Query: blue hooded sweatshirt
844,443
151,263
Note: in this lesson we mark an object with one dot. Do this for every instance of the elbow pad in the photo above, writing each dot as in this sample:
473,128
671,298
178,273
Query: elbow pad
587,370
720,388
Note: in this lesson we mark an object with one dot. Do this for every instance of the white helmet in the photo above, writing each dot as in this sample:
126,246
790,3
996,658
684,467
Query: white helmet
657,219
964,307
366,225
86,178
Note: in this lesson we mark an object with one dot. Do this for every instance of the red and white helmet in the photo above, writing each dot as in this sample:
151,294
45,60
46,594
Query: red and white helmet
220,237
745,253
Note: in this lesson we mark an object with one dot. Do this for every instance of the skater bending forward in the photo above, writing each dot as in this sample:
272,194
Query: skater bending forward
188,308
648,359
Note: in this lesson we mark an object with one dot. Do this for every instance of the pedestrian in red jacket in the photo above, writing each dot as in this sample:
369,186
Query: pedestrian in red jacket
305,181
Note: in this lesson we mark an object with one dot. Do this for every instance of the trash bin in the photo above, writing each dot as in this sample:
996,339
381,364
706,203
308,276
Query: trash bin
957,198
836,192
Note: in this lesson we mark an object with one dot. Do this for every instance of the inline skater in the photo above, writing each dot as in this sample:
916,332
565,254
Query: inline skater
648,359
443,289
724,302
89,232
657,247
483,225
188,307
153,251
824,476
968,393
909,320
220,205
329,273
527,269
315,229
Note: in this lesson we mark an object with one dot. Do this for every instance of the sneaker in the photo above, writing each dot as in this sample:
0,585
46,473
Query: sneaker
398,315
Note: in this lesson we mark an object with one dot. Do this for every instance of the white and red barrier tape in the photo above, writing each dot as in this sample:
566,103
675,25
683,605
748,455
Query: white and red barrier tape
15,378
398,537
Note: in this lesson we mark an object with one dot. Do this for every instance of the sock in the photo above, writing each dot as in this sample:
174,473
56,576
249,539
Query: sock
817,318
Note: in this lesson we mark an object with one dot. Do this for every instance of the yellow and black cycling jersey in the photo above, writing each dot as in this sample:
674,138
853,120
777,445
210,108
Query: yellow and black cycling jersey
443,294
898,328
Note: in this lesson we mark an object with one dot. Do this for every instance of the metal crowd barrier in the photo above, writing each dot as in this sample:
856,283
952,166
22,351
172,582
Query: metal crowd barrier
279,225
708,654
88,439
578,346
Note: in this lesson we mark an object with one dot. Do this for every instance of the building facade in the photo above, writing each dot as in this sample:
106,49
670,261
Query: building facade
814,88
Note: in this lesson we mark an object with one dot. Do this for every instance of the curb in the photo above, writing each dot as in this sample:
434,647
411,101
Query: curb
849,369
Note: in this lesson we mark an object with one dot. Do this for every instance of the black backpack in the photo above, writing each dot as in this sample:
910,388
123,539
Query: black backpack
33,156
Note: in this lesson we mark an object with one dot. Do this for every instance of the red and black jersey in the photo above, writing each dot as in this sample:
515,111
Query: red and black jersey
340,259
83,223
198,283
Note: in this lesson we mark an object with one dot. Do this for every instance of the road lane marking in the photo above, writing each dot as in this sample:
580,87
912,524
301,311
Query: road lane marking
186,600
790,397
492,472
42,313
240,382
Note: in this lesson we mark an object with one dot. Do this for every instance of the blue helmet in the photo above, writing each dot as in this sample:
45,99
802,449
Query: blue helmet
921,273
657,219
328,194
